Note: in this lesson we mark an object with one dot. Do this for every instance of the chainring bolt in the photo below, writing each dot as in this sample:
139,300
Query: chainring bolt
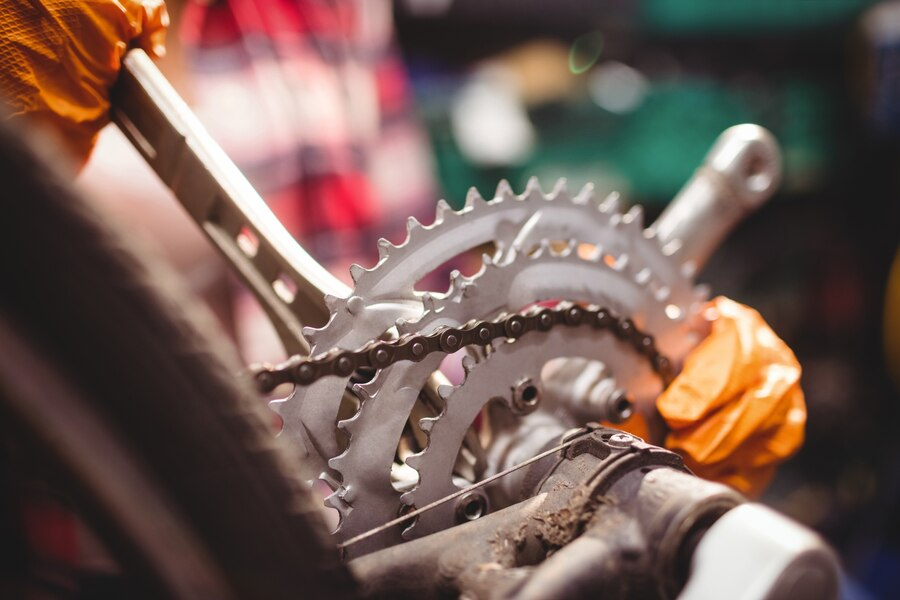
619,407
525,397
470,507
620,440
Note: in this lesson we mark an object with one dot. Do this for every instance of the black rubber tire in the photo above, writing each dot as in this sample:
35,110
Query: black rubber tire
155,367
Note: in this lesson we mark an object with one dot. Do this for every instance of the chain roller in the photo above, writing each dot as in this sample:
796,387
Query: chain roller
380,354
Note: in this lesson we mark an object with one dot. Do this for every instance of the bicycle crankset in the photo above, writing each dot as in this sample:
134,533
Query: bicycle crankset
546,248
578,314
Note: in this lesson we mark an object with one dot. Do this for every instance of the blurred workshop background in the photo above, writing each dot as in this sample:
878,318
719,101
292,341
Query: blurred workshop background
630,95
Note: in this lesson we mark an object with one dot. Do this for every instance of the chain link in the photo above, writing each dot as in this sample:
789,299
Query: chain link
380,354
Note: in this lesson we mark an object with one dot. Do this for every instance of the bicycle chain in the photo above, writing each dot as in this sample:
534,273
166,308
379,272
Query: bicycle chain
383,353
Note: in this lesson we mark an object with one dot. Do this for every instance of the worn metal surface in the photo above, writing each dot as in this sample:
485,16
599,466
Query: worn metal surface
538,333
522,359
608,516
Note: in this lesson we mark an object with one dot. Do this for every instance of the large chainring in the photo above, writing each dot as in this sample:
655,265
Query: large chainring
548,247
386,293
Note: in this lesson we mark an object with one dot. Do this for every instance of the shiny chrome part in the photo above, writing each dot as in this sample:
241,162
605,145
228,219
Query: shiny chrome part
619,407
583,528
740,173
549,255
530,224
525,279
223,203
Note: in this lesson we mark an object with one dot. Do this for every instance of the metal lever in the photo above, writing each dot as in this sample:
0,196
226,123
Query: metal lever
288,283
740,173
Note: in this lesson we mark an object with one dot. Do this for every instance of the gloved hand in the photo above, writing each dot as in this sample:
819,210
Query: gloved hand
59,59
736,409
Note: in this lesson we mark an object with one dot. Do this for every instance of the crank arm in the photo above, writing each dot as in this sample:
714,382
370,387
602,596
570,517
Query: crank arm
740,173
288,283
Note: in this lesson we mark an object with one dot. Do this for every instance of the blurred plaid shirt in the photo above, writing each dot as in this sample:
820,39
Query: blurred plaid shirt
311,101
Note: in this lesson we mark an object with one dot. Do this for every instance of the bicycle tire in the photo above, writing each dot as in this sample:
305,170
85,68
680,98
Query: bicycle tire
151,365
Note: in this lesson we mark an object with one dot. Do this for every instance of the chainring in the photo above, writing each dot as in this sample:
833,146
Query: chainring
548,248
386,294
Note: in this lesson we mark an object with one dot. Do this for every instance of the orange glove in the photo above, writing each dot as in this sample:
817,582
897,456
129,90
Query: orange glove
736,409
59,58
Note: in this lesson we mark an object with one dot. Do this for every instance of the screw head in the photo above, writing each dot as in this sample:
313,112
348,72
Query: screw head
620,440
